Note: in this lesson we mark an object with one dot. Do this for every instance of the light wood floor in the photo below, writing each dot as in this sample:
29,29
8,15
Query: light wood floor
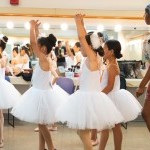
23,137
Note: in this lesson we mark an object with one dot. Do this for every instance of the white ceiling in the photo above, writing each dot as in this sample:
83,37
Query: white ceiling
82,4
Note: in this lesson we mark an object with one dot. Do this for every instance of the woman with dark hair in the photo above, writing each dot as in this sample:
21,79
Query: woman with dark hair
77,51
75,55
86,108
24,56
3,54
39,103
15,51
20,61
125,102
15,56
70,59
146,79
8,94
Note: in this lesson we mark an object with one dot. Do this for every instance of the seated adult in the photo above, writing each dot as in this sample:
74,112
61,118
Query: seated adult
15,56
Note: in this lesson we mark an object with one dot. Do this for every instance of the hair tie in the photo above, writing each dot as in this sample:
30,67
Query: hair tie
95,40
2,38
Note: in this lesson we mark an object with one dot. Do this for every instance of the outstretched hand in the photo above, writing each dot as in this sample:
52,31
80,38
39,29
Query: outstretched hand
35,23
66,42
79,17
139,92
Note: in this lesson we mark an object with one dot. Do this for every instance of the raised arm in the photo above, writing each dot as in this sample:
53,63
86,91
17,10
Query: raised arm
68,49
33,37
81,35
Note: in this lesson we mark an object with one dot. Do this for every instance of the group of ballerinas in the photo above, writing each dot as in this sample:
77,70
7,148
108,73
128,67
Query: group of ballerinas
20,60
99,104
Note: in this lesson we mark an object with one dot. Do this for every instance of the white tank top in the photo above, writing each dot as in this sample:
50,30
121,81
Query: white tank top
41,79
89,80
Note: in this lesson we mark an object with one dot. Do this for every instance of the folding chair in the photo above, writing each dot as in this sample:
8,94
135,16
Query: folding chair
66,84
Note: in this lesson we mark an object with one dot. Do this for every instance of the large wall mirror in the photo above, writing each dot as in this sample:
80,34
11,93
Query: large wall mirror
131,36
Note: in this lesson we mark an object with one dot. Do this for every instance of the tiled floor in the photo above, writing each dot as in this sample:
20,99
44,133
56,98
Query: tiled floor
22,137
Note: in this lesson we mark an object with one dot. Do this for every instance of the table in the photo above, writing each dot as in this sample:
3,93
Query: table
20,81
133,82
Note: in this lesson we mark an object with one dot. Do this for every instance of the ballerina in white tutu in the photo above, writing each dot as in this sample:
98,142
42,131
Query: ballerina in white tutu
125,102
64,95
102,37
88,108
8,94
39,104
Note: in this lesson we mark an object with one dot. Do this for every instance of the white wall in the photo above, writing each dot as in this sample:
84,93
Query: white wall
82,4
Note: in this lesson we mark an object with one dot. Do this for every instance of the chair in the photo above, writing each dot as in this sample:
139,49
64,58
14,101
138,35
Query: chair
123,86
13,118
7,78
66,84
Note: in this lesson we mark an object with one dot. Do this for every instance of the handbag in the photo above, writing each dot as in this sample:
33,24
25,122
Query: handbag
27,74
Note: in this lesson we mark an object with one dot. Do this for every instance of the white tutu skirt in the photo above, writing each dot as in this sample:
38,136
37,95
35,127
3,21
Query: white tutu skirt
59,90
9,95
89,110
39,106
126,103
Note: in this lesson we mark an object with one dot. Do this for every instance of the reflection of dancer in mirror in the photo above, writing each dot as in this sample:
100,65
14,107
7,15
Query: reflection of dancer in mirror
8,94
70,59
125,102
146,79
88,108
